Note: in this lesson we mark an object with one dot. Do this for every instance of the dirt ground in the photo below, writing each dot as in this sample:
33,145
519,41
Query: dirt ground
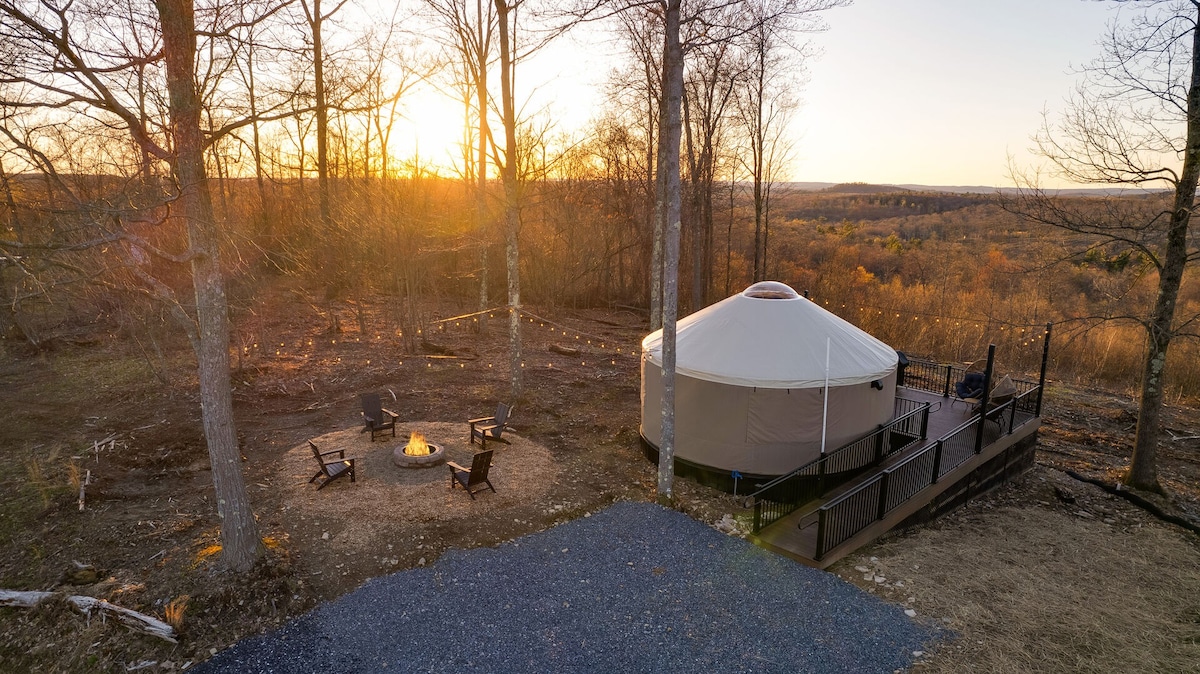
149,530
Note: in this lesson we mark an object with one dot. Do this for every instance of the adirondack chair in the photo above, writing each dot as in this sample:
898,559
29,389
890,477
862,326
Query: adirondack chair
471,478
490,427
376,418
331,470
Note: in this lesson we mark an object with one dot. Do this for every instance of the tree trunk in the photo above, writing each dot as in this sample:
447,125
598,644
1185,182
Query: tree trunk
512,213
481,209
1143,471
669,138
696,217
656,251
322,111
239,532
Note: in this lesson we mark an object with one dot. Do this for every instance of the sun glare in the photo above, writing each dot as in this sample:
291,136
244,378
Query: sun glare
429,128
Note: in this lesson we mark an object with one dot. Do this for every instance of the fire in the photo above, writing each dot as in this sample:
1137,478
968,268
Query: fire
416,445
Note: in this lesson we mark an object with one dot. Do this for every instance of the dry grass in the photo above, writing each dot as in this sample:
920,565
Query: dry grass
174,610
1031,587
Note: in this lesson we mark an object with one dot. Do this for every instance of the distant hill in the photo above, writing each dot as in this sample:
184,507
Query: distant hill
868,188
863,188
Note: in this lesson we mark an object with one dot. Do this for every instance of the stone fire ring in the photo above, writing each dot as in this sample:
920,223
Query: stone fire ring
436,457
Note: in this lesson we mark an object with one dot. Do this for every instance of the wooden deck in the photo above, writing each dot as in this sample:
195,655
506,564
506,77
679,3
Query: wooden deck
795,535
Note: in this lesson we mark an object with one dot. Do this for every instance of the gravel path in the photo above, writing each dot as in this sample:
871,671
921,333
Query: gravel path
633,588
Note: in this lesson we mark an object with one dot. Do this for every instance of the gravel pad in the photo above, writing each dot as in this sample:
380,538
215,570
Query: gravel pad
633,588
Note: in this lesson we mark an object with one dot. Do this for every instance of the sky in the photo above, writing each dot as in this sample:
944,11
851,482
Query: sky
931,92
939,92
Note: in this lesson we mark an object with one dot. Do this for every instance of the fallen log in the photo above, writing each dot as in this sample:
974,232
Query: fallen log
564,350
138,622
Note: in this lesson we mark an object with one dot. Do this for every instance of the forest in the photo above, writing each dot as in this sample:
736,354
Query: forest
297,105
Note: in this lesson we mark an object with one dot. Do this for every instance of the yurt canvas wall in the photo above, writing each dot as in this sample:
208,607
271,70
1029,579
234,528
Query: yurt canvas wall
750,377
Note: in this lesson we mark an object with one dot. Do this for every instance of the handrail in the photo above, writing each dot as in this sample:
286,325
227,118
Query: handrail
894,422
809,482
849,513
938,378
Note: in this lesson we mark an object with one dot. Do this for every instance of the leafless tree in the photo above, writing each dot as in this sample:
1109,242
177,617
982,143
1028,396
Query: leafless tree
86,73
1134,120
470,29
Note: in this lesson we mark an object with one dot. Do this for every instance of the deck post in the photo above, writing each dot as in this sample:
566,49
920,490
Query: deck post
884,481
757,516
925,422
1042,377
820,551
937,462
983,403
946,386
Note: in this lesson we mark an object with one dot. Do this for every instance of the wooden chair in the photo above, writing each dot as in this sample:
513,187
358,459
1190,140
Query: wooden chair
490,427
376,418
331,470
471,478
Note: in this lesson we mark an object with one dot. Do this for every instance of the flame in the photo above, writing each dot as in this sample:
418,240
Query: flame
416,445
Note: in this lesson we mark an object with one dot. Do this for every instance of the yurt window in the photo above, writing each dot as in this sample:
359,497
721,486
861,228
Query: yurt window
770,290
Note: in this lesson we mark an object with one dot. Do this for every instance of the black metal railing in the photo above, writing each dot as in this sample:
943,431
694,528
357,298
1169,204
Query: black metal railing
957,447
848,514
924,375
939,378
852,514
783,495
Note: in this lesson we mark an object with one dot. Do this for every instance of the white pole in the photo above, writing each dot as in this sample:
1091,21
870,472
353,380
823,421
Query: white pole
825,411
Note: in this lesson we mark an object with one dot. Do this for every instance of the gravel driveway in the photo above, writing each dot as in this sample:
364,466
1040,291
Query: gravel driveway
633,588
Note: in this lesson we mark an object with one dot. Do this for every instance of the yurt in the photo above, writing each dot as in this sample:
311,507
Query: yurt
750,383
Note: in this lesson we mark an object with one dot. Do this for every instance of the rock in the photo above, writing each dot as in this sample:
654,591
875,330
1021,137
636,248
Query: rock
861,569
1064,495
421,562
325,536
910,613
80,574
917,654
1085,514
727,524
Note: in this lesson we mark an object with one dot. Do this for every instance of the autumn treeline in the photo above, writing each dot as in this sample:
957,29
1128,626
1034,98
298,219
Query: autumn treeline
942,276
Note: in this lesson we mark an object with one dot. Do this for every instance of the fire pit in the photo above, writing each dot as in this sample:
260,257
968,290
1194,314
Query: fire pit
418,453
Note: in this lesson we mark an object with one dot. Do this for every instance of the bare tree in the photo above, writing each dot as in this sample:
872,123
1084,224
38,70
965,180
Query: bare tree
773,71
670,132
1135,120
506,20
641,34
470,34
315,18
708,93
84,73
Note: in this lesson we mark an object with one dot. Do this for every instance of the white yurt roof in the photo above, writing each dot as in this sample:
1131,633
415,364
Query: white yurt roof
770,337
